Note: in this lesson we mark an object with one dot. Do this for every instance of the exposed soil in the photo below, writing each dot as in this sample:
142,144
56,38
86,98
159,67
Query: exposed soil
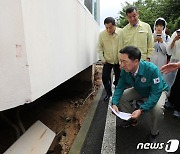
63,110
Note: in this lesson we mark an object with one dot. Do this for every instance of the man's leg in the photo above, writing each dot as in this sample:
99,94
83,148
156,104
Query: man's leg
106,78
117,73
174,97
128,96
157,114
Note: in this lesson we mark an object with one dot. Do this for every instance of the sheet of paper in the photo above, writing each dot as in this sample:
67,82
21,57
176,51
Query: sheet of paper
122,115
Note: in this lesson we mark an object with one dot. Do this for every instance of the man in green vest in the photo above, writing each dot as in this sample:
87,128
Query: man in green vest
138,34
146,84
108,54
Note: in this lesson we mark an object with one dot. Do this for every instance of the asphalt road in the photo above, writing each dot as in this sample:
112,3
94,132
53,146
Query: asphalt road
106,137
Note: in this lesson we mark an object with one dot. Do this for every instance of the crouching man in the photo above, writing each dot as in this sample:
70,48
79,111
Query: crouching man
146,84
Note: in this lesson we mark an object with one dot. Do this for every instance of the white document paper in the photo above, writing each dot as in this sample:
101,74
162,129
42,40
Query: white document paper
122,115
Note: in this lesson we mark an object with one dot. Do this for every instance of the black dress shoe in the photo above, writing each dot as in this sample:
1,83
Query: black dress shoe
153,138
106,98
128,123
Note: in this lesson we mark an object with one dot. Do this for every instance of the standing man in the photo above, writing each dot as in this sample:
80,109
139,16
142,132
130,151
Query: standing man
138,34
174,77
146,84
173,49
108,54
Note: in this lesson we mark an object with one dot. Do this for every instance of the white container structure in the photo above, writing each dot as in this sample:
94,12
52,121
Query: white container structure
43,43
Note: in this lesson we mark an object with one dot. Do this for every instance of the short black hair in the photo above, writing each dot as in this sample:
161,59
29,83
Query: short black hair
132,52
167,31
131,9
109,20
160,22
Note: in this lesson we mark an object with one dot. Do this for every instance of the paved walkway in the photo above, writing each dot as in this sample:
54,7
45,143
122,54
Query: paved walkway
104,136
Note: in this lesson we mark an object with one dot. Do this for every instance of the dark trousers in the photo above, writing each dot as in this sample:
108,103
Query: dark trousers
174,96
106,76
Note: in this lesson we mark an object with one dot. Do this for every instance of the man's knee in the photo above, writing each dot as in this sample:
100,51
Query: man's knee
123,98
158,110
124,105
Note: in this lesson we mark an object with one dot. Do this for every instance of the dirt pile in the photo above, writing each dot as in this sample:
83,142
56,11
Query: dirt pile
62,110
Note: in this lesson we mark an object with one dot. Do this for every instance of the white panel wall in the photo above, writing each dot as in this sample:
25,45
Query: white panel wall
59,38
14,76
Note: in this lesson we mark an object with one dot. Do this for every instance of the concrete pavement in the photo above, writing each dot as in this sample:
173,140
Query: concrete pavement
100,133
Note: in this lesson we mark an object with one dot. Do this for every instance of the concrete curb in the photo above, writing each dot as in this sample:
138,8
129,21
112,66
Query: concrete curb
80,138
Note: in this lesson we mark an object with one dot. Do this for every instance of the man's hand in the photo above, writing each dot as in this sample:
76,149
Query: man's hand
115,108
148,59
158,39
174,41
155,39
136,114
104,62
169,68
176,38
